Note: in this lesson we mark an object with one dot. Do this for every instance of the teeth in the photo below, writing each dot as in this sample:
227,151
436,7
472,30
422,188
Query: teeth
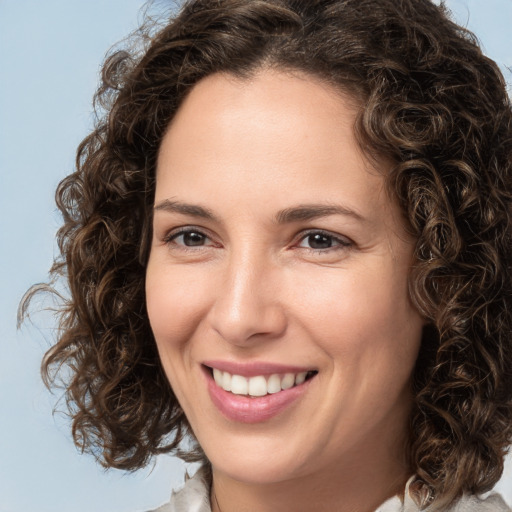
258,385
217,375
300,378
288,381
239,385
274,384
226,381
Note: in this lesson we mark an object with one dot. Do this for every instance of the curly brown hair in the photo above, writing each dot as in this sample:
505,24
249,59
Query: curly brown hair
430,101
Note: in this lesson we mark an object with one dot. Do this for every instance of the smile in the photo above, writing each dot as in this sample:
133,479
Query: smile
262,392
258,385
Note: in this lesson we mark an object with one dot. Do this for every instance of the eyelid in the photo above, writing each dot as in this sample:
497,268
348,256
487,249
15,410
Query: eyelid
343,241
174,233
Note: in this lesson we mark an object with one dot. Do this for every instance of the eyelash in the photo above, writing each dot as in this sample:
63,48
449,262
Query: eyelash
341,243
171,238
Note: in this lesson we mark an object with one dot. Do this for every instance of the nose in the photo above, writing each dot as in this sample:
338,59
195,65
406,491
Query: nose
247,307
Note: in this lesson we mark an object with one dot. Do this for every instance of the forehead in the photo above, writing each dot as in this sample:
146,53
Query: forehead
267,85
272,116
258,138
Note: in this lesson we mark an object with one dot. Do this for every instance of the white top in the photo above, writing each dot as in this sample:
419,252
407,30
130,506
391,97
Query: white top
195,497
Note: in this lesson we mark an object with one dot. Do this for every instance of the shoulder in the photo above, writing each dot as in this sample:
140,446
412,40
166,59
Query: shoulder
413,502
194,496
492,503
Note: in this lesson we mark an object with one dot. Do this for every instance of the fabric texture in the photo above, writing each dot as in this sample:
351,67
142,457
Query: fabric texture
195,497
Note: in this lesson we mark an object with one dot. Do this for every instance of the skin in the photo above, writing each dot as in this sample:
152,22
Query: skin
254,289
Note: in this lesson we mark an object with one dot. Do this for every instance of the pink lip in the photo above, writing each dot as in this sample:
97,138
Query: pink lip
246,409
254,368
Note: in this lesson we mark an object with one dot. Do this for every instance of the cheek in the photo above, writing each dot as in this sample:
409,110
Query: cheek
175,303
361,317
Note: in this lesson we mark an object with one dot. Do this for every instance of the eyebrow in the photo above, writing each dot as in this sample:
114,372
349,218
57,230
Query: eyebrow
298,213
193,210
314,211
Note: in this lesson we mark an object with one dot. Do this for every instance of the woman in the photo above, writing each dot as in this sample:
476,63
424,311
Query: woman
289,240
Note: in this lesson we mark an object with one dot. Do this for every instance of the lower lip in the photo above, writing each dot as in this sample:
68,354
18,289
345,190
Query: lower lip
244,409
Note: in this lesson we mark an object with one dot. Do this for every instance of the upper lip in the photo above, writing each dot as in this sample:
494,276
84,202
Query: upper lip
253,368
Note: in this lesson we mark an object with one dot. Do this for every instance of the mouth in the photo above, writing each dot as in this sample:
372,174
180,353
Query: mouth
257,386
257,391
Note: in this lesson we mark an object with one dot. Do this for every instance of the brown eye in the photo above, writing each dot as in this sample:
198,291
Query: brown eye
193,238
189,238
319,240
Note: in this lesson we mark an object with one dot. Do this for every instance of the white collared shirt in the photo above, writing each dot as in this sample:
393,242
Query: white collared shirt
195,497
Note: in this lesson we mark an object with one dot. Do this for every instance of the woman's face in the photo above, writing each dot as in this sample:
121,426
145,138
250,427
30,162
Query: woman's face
277,256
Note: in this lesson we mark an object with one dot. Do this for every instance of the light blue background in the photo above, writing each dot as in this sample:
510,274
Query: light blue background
50,52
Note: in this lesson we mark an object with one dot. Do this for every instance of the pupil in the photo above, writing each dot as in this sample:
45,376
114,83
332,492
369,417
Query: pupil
319,241
193,238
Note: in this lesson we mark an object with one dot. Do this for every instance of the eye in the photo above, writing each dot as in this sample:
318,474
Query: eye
323,241
188,238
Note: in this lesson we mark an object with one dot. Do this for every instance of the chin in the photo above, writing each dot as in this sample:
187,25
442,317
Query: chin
257,466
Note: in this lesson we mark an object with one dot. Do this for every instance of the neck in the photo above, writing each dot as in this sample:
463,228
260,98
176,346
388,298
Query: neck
355,487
